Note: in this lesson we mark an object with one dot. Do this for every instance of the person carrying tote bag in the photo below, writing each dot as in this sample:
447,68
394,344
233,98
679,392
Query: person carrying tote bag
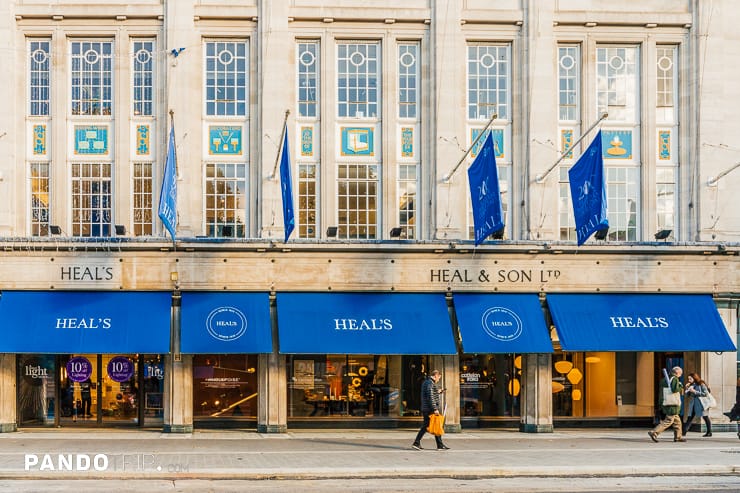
670,392
430,406
696,392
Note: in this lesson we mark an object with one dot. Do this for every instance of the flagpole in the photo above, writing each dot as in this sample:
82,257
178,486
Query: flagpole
447,177
280,147
541,178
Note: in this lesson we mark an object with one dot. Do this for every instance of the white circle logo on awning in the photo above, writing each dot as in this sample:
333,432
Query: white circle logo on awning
226,323
501,324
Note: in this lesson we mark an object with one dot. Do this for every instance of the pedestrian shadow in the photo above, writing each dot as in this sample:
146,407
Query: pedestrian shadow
356,445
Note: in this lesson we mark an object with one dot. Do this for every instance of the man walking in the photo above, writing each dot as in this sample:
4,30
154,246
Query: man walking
672,419
429,405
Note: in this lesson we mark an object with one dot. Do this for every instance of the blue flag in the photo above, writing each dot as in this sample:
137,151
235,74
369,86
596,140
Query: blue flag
588,192
286,187
168,194
484,192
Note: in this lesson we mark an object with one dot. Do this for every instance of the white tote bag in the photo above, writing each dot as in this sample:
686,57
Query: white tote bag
671,398
708,402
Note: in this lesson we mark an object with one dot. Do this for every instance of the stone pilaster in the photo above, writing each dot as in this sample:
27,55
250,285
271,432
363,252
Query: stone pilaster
272,415
8,420
536,408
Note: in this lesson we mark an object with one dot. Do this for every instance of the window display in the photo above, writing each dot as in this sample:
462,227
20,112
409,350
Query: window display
225,386
490,385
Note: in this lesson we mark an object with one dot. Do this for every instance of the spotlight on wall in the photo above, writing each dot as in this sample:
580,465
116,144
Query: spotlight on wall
499,234
227,231
331,232
396,232
55,230
120,230
601,234
663,234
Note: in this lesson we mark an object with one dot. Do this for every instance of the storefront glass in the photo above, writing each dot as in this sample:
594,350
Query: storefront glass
37,402
603,384
490,385
342,385
225,386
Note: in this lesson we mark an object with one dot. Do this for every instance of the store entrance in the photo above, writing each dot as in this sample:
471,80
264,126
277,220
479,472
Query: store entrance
98,389
90,390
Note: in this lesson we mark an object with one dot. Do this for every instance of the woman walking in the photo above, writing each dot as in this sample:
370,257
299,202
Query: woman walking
693,408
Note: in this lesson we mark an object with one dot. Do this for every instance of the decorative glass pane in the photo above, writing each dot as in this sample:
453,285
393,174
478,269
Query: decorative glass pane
143,78
142,199
617,88
226,78
358,80
39,76
408,80
568,83
407,182
92,78
226,200
357,201
307,201
91,199
308,78
40,205
488,81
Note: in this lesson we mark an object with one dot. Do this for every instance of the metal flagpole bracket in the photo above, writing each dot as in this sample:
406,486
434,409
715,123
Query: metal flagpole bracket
448,176
541,178
280,147
712,182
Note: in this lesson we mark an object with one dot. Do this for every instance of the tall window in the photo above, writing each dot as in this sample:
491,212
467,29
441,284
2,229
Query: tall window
666,118
143,123
308,129
38,155
409,156
358,112
488,93
617,93
569,117
92,77
91,199
226,96
226,198
226,78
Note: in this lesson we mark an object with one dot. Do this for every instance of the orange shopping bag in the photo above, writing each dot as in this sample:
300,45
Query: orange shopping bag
436,424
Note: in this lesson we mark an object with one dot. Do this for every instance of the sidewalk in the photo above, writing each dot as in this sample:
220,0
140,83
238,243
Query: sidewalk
337,454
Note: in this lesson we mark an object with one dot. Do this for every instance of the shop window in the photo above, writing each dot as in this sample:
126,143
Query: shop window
344,385
225,386
490,385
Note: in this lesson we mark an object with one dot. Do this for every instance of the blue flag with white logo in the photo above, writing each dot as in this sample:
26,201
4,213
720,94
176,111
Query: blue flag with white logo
168,194
286,188
488,217
588,192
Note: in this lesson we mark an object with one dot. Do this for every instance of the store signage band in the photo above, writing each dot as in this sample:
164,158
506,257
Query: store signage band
483,276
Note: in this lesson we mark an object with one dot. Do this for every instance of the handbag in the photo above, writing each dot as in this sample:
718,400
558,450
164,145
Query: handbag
671,398
708,401
436,424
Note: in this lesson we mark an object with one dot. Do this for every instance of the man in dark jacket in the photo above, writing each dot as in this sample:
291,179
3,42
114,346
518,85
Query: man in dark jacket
430,404
672,419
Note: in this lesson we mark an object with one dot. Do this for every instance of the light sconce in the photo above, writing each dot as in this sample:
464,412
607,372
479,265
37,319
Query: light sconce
55,230
601,234
331,232
120,230
396,232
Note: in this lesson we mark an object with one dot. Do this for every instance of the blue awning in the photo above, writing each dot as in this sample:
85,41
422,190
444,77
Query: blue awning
215,323
364,323
85,322
501,323
638,322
